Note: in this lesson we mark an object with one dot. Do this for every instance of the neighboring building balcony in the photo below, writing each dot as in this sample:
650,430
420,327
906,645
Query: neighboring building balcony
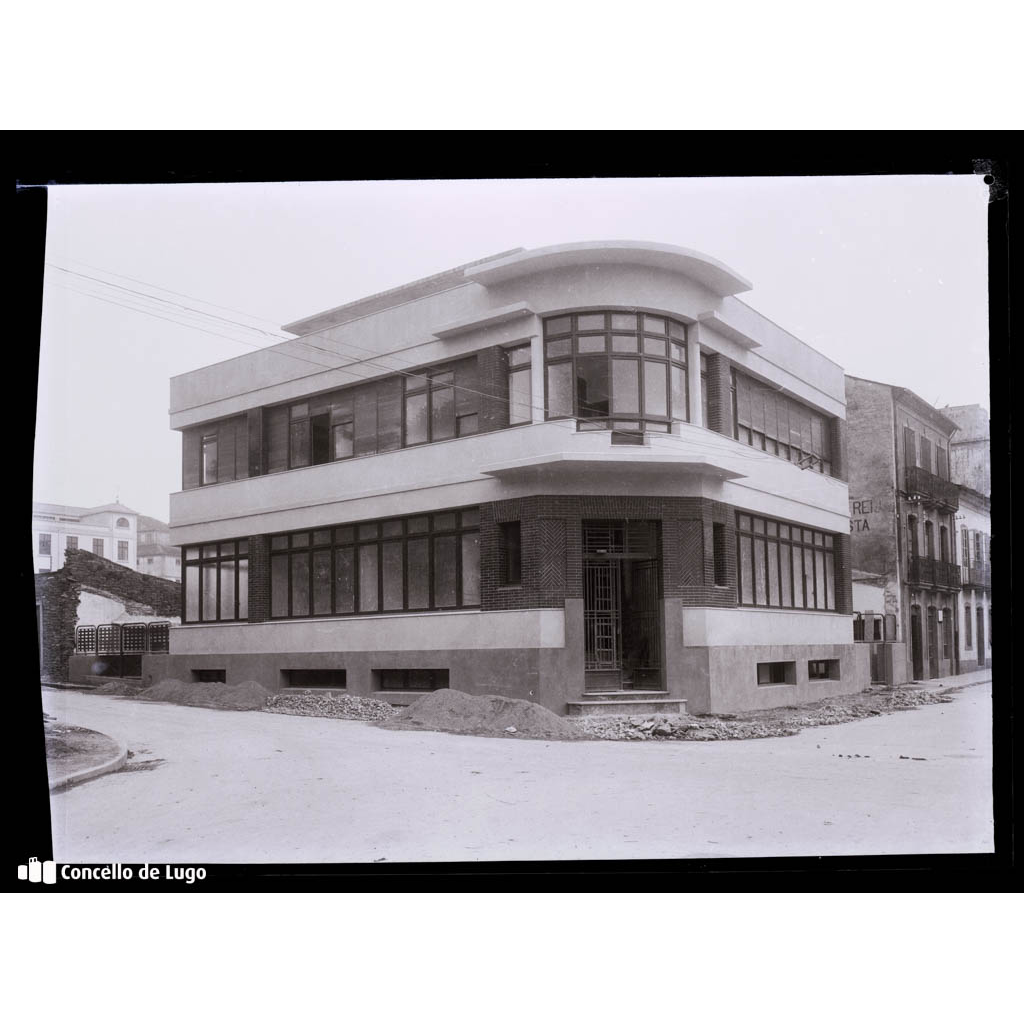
978,577
930,572
931,490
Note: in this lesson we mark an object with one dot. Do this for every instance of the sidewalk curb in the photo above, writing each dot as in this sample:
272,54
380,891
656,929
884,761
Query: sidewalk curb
117,762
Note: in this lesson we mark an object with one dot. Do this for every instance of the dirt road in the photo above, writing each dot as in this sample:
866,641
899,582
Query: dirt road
223,786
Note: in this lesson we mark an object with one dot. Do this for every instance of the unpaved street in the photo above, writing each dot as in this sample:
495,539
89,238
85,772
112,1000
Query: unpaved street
223,786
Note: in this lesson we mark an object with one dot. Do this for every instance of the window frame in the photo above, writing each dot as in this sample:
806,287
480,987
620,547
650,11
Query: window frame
200,560
784,537
122,545
510,573
523,370
45,544
565,330
371,535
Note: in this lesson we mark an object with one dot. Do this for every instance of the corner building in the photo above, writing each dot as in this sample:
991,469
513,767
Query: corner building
553,473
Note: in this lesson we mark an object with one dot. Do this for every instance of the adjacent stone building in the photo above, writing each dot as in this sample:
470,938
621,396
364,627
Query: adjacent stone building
156,555
903,506
578,473
106,530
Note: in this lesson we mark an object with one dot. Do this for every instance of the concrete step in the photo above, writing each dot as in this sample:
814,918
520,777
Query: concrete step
627,705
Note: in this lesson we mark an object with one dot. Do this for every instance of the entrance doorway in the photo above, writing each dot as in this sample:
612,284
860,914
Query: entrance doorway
916,649
622,605
933,643
981,637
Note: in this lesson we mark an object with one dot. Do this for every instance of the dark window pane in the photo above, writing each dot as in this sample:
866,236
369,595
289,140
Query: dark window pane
209,550
279,542
519,356
365,420
555,349
321,537
746,571
344,535
299,443
210,593
787,576
344,581
470,568
300,540
300,583
192,593
343,438
655,389
560,390
444,521
442,414
466,425
368,599
278,586
368,531
444,572
393,598
470,517
744,522
389,415
418,524
227,590
243,547
322,583
320,439
392,528
243,588
418,557
592,387
625,386
559,325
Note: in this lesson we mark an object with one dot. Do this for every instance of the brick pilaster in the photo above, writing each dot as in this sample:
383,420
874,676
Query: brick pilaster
844,577
719,394
259,578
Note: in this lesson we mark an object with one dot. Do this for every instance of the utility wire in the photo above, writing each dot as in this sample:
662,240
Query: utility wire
691,445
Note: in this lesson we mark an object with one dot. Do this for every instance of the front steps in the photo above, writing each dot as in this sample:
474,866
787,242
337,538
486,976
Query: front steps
627,702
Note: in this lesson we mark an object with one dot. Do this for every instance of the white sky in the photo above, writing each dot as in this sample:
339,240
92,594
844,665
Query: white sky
885,275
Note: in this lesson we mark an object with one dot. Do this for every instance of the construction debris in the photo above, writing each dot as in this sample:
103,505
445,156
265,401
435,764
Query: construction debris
326,704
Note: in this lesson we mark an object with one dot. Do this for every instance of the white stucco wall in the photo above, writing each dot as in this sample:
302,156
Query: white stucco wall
746,627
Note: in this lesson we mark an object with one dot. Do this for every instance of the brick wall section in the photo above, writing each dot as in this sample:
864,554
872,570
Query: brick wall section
58,594
550,577
840,452
259,578
492,370
844,577
719,398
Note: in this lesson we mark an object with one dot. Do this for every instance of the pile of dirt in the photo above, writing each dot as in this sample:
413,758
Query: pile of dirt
465,714
119,688
247,696
330,705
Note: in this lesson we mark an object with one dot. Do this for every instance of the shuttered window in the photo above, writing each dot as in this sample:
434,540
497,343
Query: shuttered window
909,446
926,455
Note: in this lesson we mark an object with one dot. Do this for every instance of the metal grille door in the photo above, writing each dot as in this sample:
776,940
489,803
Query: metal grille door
601,615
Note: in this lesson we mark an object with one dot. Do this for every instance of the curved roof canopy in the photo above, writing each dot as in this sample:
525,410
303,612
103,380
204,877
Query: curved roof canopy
711,273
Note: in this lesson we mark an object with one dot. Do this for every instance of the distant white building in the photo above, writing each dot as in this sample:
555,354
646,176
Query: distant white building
109,531
156,555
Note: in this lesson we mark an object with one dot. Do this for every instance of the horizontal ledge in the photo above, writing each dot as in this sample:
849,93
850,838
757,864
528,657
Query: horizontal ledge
714,320
501,315
597,461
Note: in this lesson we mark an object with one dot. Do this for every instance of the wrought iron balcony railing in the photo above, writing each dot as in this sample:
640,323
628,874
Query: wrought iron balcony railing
977,576
930,572
931,490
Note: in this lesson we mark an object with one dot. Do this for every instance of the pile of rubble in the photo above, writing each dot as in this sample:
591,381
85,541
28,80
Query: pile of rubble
327,704
787,721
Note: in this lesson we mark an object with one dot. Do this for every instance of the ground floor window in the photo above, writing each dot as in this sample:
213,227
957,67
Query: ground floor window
417,563
968,626
215,585
209,675
776,673
823,668
331,678
411,679
782,565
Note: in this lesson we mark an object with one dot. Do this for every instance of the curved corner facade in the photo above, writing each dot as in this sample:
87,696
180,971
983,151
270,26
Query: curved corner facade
585,469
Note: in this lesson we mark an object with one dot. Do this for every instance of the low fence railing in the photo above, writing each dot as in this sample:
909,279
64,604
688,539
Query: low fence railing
119,646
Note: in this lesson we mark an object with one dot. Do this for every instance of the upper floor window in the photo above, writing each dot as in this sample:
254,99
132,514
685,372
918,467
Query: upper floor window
97,546
44,543
909,447
613,370
780,425
72,544
214,453
122,551
208,447
441,404
122,523
520,385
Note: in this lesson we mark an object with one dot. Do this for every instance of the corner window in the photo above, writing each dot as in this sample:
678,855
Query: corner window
510,558
616,371
215,584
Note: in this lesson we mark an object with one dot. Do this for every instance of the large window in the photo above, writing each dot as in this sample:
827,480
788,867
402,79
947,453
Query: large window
215,584
441,403
620,371
214,453
72,544
779,425
122,551
416,563
97,546
44,543
782,565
